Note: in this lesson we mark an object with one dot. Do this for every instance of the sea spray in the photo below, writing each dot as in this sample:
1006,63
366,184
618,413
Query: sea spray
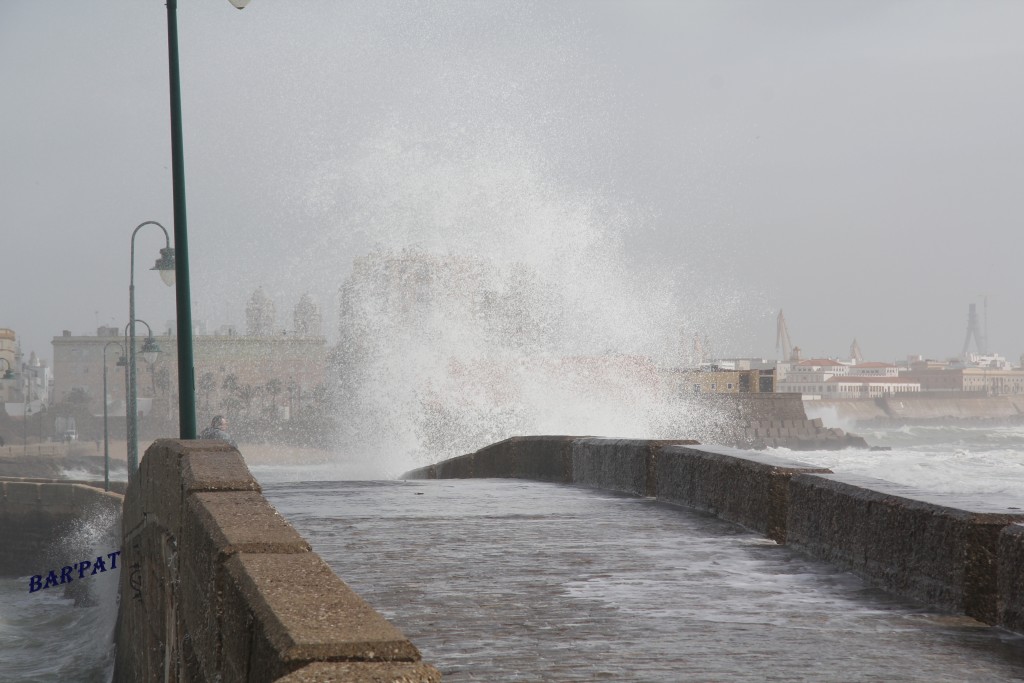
485,299
441,354
96,534
51,635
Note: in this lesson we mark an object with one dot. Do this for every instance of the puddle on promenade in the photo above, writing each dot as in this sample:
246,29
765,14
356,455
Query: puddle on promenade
506,580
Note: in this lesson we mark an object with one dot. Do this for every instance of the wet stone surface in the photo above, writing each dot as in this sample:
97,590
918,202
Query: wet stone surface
506,580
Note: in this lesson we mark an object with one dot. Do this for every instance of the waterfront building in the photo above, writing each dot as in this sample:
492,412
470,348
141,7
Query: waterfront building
270,371
29,385
832,379
713,379
985,380
873,369
867,386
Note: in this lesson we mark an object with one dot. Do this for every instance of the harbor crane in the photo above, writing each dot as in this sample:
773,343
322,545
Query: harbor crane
782,342
974,330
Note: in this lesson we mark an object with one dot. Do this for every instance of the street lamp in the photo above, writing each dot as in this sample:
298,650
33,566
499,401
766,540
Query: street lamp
106,436
150,350
166,265
183,293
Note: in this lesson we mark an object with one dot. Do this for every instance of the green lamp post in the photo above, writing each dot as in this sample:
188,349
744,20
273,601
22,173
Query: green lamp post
183,298
166,266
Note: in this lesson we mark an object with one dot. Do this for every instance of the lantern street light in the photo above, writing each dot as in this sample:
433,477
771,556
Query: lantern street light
166,266
106,435
150,351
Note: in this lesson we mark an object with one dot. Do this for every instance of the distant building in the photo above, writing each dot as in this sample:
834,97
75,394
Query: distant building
992,381
745,364
27,386
260,316
866,386
270,368
873,369
9,350
307,318
831,379
712,379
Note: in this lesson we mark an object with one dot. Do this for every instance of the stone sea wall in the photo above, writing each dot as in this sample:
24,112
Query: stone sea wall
924,408
36,512
760,421
953,554
216,585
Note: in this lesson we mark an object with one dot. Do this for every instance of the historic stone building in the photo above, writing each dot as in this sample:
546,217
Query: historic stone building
23,385
269,371
989,381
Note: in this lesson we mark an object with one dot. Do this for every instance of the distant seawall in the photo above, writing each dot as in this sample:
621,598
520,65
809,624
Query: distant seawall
216,585
953,554
769,420
924,408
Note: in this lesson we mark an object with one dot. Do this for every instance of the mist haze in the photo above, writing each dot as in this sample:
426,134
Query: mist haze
857,165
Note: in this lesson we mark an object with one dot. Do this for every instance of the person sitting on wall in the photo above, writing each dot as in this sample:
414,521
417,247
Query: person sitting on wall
218,430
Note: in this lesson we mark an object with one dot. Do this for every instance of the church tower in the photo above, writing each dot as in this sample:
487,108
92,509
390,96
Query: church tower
307,318
260,315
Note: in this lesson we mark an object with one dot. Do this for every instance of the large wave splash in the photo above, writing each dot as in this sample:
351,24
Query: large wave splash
488,296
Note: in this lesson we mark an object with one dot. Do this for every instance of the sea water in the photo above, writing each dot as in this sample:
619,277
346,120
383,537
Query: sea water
44,636
981,462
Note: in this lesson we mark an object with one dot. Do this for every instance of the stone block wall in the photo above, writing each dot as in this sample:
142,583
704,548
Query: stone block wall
1011,577
773,420
611,464
952,554
942,552
216,585
742,487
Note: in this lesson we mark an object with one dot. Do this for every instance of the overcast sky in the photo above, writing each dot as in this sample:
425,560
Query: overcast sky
858,164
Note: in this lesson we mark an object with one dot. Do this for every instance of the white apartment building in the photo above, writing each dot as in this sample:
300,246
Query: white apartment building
830,379
874,369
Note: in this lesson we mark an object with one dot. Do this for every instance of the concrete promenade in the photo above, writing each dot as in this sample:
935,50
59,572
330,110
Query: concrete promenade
950,552
512,580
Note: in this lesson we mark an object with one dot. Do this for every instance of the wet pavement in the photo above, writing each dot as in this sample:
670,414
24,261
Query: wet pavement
509,580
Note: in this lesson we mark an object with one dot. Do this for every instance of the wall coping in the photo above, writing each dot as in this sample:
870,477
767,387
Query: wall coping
219,586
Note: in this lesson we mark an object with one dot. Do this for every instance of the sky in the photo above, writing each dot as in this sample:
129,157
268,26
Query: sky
857,164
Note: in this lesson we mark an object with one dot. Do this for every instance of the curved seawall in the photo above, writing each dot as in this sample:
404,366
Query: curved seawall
951,553
217,585
34,513
59,565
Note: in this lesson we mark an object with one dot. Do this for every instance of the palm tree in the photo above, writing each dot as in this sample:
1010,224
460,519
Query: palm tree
207,383
273,388
247,393
230,383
